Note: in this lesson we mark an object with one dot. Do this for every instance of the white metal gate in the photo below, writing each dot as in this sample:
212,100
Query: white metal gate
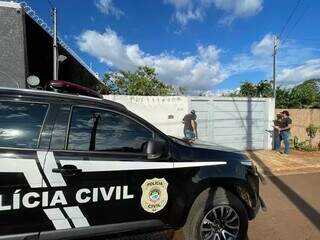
235,123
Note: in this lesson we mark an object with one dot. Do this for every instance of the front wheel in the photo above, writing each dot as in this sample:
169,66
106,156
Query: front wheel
216,215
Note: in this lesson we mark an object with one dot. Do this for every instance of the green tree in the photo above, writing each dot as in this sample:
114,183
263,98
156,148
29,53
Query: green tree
304,95
261,89
102,88
144,82
264,89
248,89
282,97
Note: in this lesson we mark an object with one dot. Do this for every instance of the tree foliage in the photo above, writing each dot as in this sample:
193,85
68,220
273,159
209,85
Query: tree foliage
102,88
304,95
283,97
248,89
261,89
264,89
143,82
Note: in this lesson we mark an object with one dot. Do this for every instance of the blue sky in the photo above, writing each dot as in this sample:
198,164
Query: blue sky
209,45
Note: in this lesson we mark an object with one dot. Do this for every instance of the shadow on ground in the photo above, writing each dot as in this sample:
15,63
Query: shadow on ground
305,208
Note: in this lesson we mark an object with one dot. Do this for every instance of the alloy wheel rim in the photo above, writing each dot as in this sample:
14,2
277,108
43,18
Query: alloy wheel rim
220,223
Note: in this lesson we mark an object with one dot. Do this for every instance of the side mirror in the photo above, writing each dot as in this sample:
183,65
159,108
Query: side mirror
155,149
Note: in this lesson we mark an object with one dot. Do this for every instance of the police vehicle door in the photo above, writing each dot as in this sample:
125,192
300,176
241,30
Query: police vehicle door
21,181
104,166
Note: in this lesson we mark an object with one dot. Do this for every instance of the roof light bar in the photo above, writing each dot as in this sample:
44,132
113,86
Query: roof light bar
68,87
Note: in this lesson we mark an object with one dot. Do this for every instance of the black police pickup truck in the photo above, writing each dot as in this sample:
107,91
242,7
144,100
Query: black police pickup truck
77,167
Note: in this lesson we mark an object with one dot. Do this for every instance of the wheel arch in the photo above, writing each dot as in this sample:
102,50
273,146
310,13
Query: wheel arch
237,187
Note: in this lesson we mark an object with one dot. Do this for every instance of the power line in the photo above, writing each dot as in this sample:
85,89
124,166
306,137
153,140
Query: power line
289,18
295,24
51,4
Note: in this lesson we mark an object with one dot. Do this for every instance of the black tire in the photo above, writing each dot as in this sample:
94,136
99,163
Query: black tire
211,199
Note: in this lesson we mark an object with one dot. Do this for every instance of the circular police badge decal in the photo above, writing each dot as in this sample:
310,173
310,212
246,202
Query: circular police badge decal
154,195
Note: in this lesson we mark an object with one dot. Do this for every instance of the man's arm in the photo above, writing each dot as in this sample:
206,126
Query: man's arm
183,120
194,127
286,128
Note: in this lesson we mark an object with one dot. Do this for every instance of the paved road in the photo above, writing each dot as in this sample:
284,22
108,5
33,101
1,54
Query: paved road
293,210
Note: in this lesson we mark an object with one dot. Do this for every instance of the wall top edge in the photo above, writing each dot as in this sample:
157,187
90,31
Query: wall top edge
10,4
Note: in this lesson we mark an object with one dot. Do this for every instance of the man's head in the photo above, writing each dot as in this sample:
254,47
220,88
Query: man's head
193,112
285,113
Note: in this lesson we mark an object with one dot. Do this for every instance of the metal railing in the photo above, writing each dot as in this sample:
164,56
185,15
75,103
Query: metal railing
48,29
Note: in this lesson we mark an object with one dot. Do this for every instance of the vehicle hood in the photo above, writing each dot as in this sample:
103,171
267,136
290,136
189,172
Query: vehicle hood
202,151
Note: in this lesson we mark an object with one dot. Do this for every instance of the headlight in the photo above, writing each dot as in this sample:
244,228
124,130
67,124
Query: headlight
247,163
250,164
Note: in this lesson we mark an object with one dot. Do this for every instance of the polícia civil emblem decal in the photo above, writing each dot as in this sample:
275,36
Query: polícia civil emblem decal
154,194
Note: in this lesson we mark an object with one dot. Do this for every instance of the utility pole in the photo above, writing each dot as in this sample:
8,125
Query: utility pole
55,46
274,66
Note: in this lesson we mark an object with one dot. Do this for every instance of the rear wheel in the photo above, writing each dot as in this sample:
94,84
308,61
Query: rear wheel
216,215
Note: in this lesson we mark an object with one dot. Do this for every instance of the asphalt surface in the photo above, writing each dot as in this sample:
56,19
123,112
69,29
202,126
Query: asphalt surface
293,204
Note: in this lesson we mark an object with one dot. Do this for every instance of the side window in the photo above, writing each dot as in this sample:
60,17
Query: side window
98,130
21,123
60,129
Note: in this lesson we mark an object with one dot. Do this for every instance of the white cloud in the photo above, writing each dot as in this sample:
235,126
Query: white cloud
107,7
184,17
259,59
179,4
203,69
200,71
264,46
238,9
292,76
187,10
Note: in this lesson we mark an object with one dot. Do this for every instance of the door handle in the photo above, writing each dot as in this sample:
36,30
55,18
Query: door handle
67,170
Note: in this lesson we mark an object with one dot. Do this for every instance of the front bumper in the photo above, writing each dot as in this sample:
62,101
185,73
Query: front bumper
256,202
261,202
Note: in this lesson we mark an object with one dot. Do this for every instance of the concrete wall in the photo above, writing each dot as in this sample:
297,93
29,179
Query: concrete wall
238,123
166,113
12,47
301,119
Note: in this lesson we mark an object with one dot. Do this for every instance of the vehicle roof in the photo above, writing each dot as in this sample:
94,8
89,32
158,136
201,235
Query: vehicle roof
39,93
